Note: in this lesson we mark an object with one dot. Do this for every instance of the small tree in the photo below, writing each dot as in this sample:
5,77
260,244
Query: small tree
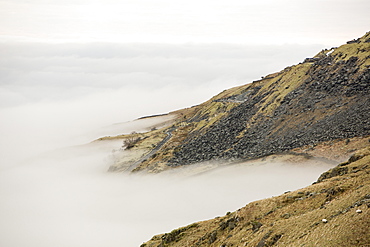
131,141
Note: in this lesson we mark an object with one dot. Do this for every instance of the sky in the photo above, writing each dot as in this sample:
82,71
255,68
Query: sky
326,22
164,21
70,70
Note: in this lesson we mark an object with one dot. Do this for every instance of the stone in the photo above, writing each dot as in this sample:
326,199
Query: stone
256,226
285,216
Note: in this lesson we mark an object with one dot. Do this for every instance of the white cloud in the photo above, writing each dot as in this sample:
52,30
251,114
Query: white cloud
246,22
65,198
55,96
53,92
42,71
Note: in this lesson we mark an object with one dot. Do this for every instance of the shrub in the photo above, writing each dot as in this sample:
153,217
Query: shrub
131,141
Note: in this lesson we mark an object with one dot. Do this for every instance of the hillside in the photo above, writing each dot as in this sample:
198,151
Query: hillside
334,211
320,108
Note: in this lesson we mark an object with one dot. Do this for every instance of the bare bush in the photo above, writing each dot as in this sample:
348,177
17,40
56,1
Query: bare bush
131,141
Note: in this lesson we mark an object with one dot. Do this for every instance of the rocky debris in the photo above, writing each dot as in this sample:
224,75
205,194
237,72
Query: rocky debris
256,226
332,102
326,98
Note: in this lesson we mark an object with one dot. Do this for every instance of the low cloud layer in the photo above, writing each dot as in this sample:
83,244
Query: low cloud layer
34,72
65,198
56,96
51,93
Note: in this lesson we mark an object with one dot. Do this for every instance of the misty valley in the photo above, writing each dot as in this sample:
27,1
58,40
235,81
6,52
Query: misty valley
67,194
282,160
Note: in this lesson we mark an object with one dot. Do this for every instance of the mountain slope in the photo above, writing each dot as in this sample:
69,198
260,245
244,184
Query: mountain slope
323,99
332,212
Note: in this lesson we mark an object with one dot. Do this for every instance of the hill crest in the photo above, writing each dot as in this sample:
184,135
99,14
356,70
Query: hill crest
323,99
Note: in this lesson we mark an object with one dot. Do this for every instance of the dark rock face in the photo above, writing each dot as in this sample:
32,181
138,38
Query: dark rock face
334,102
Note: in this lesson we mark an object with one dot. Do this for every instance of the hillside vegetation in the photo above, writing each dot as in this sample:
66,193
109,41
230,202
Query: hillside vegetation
334,211
305,108
319,108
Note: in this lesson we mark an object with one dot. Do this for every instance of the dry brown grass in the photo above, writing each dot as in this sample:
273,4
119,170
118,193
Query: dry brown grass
294,218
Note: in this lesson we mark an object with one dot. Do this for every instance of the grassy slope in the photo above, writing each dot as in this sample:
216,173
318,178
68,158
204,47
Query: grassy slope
294,218
209,112
196,120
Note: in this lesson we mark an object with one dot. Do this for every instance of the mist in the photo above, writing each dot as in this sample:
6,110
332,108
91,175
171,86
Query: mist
66,198
55,99
52,95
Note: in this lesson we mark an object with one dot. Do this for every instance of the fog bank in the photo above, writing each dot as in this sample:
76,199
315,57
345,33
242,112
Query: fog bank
52,95
54,99
67,199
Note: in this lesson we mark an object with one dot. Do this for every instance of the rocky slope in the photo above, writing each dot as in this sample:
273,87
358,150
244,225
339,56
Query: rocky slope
318,108
321,101
334,211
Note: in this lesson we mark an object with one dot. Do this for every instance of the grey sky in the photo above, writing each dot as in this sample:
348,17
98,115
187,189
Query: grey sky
326,22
